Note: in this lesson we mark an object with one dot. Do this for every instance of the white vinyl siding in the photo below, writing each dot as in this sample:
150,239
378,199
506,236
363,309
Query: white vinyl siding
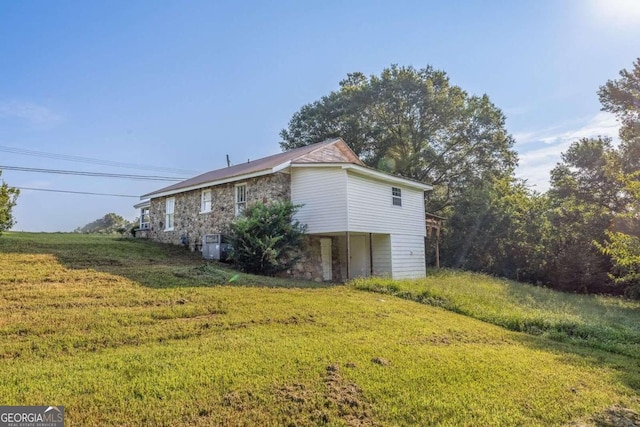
337,200
407,256
381,251
323,194
371,208
170,205
205,201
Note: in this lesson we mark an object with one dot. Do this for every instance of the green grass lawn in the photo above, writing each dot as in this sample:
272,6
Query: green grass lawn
125,332
608,323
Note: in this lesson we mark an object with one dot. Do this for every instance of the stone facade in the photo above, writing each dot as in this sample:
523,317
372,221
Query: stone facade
190,224
309,267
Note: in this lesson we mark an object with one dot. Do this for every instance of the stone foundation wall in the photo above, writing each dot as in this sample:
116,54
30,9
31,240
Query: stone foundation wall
309,267
190,225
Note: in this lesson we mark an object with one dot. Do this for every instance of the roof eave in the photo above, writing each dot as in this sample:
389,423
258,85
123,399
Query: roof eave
363,170
143,204
227,180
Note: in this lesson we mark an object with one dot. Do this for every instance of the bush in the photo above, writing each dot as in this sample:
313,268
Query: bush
624,250
266,239
8,198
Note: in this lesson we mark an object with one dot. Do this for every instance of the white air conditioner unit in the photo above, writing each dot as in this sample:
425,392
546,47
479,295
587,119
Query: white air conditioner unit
214,247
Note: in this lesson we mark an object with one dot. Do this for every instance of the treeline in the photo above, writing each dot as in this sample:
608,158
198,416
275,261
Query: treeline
582,235
111,223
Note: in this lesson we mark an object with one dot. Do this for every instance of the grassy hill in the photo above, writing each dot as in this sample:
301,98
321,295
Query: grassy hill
596,321
125,332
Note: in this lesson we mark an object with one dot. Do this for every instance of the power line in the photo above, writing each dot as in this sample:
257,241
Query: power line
96,174
94,161
76,192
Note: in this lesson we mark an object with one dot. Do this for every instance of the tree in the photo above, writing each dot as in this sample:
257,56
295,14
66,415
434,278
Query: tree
622,244
624,250
622,98
266,239
499,228
8,197
111,223
413,123
585,196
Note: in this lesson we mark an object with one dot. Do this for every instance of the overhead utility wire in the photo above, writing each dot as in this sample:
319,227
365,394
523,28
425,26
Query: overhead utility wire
97,174
94,161
76,192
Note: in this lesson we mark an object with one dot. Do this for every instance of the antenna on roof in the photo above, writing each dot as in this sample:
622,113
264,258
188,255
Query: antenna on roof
228,161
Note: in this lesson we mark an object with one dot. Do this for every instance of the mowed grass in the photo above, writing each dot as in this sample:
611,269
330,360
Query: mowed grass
608,323
125,332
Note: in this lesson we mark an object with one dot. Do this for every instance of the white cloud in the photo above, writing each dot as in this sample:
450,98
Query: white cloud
602,124
515,111
34,114
544,147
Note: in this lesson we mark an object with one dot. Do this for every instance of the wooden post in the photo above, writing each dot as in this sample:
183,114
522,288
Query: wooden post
434,223
348,257
438,247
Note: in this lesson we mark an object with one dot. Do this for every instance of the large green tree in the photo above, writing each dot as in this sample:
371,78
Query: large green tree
499,228
585,197
622,98
8,197
414,123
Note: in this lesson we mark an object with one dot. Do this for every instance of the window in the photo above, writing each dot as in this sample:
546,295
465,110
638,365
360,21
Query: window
396,195
144,219
241,198
205,204
169,214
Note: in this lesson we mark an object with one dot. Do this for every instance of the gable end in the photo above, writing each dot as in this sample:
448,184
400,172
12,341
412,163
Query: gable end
338,152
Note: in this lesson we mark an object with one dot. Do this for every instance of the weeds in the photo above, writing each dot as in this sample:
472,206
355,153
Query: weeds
607,323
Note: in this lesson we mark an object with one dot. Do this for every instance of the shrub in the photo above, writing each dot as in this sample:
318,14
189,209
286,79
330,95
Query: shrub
266,239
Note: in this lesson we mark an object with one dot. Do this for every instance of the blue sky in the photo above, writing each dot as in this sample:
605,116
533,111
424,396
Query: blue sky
183,84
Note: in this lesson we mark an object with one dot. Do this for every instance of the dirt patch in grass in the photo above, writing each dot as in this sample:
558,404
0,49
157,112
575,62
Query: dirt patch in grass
347,398
238,401
452,337
615,416
380,361
302,405
339,399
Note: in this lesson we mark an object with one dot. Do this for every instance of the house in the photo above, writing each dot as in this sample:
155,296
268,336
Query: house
360,221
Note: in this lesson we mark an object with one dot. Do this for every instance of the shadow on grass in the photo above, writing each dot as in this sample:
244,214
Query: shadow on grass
625,369
151,264
600,331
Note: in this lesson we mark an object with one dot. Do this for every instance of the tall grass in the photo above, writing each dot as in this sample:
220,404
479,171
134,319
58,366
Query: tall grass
608,323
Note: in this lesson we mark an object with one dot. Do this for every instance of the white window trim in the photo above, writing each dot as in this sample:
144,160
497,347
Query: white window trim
394,197
166,214
202,208
236,203
145,225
